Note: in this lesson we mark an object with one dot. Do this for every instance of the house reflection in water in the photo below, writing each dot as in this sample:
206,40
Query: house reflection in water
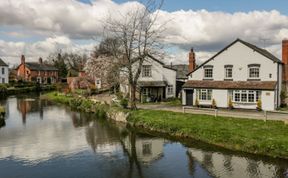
26,106
147,149
228,166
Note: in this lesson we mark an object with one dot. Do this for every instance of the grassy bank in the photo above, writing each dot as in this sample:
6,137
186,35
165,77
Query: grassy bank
78,103
246,135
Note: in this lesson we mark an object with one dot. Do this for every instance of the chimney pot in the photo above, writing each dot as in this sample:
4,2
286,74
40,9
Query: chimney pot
192,61
40,60
285,59
22,59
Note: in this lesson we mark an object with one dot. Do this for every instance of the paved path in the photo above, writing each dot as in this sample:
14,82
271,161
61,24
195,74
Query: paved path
250,114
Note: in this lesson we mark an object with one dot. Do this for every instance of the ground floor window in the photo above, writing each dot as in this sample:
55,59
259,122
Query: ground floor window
246,96
146,91
170,89
204,94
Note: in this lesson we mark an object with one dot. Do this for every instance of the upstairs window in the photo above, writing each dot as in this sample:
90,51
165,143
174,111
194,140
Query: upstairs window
3,70
254,71
228,71
208,72
146,71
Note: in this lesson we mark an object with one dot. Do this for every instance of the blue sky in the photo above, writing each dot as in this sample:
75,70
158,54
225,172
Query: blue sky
223,5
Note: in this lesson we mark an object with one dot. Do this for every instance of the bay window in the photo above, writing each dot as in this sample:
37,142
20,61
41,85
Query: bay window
204,94
246,96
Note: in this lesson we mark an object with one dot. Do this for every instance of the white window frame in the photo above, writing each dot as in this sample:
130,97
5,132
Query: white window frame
246,96
170,90
146,71
204,94
227,72
210,75
256,74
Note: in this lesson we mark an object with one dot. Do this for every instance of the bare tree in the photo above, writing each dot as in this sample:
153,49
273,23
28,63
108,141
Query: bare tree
139,36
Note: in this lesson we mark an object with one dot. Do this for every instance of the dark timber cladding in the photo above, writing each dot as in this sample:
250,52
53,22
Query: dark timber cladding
248,85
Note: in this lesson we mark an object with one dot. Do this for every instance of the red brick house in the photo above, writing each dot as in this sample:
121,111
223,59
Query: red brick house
37,71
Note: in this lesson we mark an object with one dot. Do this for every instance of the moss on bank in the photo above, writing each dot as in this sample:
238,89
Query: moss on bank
251,136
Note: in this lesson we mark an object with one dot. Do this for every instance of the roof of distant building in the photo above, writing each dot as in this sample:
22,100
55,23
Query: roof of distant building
41,67
2,63
181,70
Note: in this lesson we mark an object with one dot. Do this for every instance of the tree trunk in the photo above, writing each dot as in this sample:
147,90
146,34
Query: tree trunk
133,97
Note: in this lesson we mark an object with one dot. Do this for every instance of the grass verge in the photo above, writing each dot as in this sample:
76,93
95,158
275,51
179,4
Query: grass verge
251,136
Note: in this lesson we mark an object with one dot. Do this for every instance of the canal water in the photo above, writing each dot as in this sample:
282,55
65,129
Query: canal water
40,139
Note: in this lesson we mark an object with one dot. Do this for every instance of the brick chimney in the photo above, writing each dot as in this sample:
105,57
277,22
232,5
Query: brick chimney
22,59
192,61
285,59
40,60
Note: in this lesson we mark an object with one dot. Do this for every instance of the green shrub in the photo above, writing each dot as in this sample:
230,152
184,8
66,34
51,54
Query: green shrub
259,105
124,103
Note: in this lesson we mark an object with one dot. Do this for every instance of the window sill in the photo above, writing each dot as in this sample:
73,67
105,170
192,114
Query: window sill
244,103
228,79
253,79
207,78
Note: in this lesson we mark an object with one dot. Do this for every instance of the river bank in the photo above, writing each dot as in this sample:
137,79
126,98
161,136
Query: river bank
18,90
250,136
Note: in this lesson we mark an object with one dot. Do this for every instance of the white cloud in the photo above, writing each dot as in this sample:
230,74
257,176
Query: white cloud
208,32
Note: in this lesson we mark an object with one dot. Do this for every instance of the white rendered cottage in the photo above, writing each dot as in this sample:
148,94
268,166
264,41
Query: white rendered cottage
241,73
156,82
4,72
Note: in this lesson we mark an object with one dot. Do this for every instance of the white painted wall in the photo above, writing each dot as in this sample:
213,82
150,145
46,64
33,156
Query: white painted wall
5,75
240,56
267,97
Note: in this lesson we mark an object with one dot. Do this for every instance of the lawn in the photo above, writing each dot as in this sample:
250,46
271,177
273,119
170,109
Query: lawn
252,136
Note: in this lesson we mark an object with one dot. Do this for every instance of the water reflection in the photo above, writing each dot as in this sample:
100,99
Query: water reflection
230,166
39,135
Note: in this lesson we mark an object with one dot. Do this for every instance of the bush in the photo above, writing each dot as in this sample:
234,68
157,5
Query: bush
230,103
197,103
259,105
124,103
214,105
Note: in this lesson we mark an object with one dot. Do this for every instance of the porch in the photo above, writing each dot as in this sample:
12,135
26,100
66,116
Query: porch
152,91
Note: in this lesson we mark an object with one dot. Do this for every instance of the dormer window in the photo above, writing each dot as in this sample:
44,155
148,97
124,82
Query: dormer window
254,71
228,71
146,71
208,72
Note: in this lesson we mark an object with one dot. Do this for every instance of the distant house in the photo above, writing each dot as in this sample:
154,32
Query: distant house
241,74
157,81
37,72
181,76
4,72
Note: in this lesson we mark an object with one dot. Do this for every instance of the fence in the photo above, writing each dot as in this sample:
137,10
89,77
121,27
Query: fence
260,115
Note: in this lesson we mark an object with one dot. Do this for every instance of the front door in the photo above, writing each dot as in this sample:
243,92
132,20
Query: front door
189,97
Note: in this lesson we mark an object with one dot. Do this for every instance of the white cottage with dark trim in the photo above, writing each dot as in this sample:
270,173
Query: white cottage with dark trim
157,81
241,73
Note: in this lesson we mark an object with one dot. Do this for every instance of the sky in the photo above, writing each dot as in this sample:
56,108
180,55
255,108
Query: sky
36,28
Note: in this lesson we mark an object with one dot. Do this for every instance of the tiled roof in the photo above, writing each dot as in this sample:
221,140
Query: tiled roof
249,85
2,63
41,67
181,70
152,83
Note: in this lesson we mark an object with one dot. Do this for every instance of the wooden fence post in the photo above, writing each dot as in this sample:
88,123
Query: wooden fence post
183,109
216,112
265,116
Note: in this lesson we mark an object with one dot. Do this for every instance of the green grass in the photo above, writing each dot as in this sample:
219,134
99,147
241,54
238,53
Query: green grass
252,136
